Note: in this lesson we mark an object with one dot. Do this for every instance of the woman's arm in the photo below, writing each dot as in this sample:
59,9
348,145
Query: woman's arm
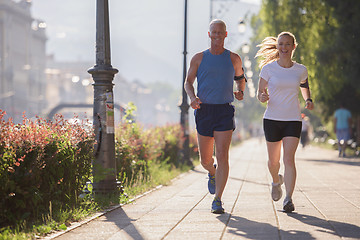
305,92
262,94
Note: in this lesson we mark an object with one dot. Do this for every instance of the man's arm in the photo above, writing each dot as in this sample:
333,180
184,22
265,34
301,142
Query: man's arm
239,71
350,125
190,79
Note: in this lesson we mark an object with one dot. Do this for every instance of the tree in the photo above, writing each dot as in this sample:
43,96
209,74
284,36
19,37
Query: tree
328,40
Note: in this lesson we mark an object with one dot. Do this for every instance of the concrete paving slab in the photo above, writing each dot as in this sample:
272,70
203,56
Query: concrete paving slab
326,198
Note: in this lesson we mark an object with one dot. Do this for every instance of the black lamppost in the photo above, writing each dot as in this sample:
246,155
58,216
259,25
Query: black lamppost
104,167
184,117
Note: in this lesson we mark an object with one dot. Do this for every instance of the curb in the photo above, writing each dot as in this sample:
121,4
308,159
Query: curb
75,225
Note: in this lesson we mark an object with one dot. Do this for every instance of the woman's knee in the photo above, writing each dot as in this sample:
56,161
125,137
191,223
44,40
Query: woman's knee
289,162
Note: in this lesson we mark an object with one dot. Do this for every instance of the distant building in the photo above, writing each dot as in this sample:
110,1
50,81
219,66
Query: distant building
37,84
22,60
68,83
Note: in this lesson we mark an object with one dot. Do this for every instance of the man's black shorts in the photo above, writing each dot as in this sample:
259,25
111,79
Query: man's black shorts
276,130
214,117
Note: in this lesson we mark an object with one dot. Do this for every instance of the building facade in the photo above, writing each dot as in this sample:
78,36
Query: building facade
22,60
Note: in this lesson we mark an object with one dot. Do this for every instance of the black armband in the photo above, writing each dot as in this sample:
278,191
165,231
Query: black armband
305,84
242,76
237,78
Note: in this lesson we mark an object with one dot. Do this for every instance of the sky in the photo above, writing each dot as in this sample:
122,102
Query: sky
147,36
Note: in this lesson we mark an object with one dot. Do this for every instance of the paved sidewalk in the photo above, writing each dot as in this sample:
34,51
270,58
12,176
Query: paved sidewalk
326,198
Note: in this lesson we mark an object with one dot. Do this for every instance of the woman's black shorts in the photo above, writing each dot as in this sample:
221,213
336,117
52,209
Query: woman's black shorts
276,130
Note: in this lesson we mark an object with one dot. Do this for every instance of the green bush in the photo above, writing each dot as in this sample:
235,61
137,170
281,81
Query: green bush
136,148
42,163
44,166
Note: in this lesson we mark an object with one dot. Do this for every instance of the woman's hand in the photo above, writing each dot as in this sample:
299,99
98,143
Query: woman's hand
263,97
309,105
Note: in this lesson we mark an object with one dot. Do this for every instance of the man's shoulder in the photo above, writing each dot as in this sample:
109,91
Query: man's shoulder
235,57
197,57
233,54
342,111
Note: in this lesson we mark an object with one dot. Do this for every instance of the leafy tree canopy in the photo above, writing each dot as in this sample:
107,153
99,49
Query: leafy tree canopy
328,35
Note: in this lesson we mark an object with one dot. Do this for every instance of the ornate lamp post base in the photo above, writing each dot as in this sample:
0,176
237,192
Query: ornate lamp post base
104,165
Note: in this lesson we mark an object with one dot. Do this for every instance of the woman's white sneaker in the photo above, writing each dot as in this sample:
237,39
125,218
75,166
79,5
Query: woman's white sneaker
276,191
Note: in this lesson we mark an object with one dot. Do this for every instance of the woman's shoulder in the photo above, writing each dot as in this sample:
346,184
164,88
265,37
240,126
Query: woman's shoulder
300,66
272,64
269,65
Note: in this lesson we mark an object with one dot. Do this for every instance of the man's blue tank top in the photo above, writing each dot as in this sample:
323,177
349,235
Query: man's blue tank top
215,78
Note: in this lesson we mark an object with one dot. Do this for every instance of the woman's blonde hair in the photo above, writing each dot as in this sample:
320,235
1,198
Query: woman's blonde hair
268,50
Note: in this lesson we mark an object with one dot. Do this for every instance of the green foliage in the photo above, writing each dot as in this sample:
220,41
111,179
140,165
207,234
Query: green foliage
328,46
136,148
42,164
45,165
129,116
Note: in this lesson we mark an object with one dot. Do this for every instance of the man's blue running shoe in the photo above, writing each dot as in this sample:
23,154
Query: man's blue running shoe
216,206
211,183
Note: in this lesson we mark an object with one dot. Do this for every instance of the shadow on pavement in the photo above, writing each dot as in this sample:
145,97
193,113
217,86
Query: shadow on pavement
345,161
345,230
242,227
123,222
234,178
249,181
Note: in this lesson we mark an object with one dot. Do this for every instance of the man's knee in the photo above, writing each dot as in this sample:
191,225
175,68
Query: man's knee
206,163
273,162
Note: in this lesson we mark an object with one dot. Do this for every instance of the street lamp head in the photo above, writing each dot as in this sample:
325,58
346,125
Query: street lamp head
245,48
241,26
247,63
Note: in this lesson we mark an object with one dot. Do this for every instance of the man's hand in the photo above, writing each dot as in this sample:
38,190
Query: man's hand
239,95
195,104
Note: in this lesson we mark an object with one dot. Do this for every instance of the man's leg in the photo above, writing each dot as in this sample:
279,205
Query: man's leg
206,149
222,145
340,141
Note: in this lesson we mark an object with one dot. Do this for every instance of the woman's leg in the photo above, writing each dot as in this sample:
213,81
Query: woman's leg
274,151
290,145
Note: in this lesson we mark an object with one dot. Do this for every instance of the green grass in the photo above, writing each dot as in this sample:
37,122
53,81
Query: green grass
60,219
159,175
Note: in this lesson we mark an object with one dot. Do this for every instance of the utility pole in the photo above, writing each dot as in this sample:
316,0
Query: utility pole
104,166
184,118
